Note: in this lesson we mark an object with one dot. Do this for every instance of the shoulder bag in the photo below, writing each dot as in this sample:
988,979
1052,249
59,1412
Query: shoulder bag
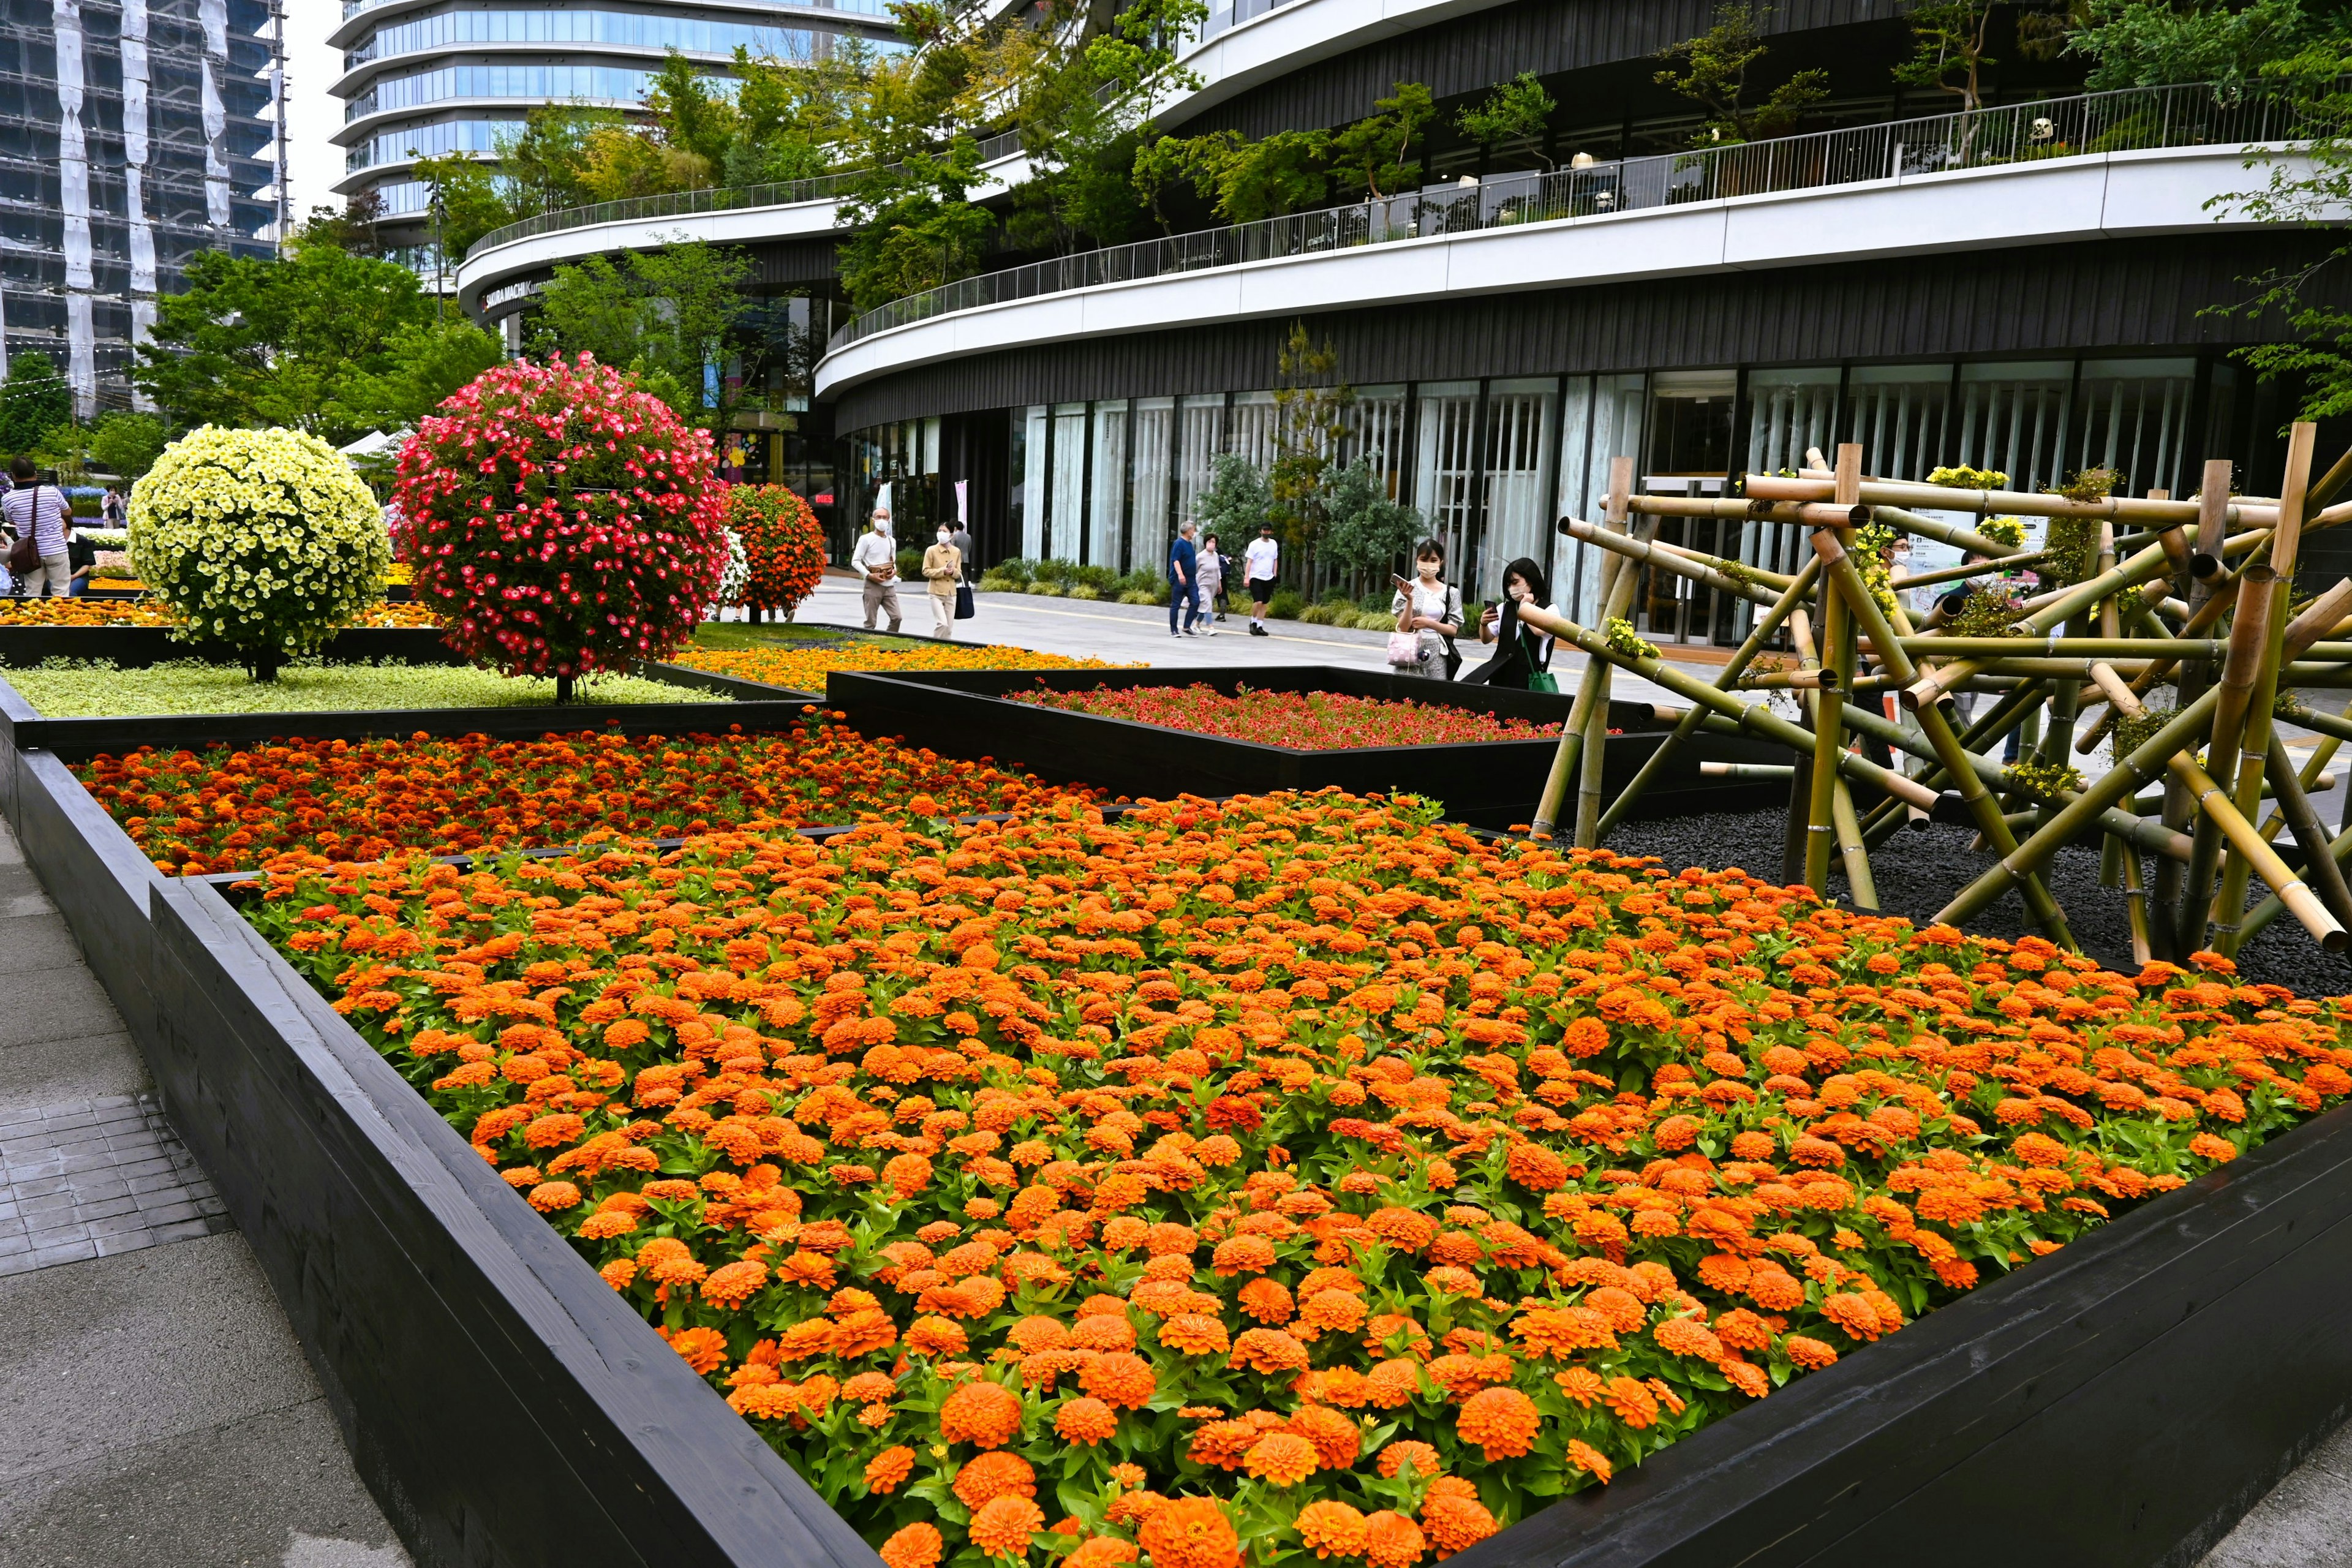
1454,617
965,609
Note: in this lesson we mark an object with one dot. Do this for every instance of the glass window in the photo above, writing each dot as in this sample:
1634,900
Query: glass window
1901,415
1376,432
1689,453
1203,423
1614,417
2012,419
1029,498
1446,464
2135,420
1250,431
1521,422
1155,441
1066,517
1107,508
1788,412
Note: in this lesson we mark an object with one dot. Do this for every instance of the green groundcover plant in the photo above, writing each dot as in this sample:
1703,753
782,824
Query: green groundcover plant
95,688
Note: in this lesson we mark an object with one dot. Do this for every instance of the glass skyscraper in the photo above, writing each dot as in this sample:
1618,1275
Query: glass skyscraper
133,134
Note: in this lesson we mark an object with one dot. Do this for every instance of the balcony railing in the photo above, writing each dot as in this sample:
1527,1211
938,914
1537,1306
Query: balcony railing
687,203
2187,116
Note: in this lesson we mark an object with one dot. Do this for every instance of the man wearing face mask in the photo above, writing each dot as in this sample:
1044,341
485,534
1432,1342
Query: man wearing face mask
876,559
942,569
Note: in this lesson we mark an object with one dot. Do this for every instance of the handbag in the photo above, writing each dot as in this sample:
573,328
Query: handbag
1405,650
1543,681
965,609
24,555
1454,617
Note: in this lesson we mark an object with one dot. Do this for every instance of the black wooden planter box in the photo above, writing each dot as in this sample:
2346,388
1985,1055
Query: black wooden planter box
2117,1404
1490,784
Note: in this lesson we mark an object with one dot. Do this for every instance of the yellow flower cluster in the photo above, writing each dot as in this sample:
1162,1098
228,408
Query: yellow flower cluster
263,539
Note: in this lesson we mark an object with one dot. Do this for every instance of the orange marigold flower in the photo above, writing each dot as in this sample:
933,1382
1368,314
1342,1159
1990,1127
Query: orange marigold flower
704,1350
1003,1528
1102,1552
1501,1421
1121,1378
1267,1301
551,1198
1853,1314
987,1413
935,1337
1337,1439
1190,1533
1589,1459
1086,1420
731,1285
1331,1529
1421,1456
1808,1352
1195,1334
1284,1458
1392,1540
994,1475
916,1546
886,1471
1630,1401
1454,1522
1581,1385
1269,1351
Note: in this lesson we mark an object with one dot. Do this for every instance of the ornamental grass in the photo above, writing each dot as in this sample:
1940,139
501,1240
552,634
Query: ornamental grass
804,669
1299,1175
1306,720
95,688
228,808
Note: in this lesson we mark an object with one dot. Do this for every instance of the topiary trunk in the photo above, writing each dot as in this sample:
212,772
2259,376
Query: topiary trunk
264,667
563,689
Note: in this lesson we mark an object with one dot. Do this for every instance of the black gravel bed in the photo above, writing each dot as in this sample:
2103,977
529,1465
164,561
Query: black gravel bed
1919,871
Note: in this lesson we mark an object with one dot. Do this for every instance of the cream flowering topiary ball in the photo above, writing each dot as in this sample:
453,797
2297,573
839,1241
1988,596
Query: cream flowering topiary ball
265,540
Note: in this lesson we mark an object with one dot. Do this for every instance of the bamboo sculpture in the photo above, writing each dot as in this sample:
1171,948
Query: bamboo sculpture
2148,590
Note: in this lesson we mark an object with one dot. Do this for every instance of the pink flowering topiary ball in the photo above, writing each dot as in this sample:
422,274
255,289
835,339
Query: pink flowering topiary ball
560,520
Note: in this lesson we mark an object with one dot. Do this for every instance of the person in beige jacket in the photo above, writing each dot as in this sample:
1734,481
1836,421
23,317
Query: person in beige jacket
942,570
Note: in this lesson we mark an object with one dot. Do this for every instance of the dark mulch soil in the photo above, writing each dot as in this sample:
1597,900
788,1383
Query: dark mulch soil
1919,871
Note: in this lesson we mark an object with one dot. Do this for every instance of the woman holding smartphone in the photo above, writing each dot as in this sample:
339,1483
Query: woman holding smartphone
1429,612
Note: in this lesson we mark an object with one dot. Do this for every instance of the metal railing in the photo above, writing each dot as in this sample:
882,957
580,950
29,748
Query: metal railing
2187,116
687,204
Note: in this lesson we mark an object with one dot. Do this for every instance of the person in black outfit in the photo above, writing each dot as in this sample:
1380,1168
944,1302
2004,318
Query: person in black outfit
1520,653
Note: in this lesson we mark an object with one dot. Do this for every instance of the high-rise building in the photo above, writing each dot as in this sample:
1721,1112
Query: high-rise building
427,77
133,134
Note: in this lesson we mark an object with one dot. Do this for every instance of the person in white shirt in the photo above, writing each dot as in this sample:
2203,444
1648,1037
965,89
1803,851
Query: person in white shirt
876,559
1260,562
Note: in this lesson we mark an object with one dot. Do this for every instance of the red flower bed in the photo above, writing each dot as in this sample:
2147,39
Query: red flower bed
1297,1176
1308,721
226,809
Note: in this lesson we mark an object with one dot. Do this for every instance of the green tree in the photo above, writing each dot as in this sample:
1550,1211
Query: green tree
2156,43
428,361
1365,530
1236,500
2313,192
1947,49
34,400
277,341
914,226
669,316
351,226
469,200
1517,110
126,444
1712,71
65,450
1370,155
1311,404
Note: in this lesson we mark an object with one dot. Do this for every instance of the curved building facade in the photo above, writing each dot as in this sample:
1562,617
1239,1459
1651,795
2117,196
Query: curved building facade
2034,285
427,77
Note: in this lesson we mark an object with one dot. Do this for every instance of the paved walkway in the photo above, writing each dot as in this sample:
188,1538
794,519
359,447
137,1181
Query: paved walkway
154,1407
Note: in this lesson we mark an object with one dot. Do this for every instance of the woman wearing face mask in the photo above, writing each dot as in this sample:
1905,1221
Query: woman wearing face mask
942,569
1429,617
1522,658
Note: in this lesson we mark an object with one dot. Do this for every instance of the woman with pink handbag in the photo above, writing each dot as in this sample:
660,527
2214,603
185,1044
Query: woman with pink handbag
1429,617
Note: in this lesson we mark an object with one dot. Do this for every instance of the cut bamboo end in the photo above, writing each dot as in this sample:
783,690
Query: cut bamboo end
2304,906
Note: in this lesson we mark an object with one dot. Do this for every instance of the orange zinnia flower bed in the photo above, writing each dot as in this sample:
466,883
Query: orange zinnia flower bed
228,808
1295,1176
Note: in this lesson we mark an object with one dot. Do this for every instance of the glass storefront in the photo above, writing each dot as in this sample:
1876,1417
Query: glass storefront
1491,465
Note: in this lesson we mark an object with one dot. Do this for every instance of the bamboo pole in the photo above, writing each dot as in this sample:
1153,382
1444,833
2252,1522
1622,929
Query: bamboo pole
2286,540
1679,563
1837,671
2249,640
1792,598
1617,590
2021,503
